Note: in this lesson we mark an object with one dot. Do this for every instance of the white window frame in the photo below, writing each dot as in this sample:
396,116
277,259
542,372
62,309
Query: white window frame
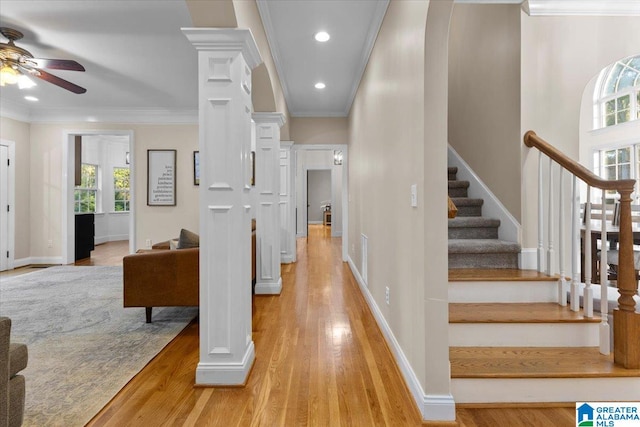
600,100
634,159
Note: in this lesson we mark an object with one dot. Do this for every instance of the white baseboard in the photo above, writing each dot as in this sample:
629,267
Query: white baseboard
212,374
269,288
528,259
315,222
286,259
432,407
23,262
104,239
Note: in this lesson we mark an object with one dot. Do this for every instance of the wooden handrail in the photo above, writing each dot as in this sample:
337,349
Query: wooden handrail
533,140
626,328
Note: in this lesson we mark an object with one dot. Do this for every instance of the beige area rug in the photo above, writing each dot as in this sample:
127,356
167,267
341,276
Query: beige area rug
83,345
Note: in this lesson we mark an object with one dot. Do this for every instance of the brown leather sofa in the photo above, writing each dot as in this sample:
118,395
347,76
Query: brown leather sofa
167,278
13,359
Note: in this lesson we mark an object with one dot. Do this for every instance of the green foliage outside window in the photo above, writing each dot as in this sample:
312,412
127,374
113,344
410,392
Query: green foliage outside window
85,194
121,189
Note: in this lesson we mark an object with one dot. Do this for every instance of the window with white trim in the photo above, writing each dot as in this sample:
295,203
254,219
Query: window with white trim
121,193
85,195
618,163
618,94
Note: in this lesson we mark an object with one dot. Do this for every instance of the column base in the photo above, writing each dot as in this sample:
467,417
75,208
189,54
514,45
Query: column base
269,288
626,329
229,374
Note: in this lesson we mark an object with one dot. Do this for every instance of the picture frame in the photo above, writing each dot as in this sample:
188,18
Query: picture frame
196,168
161,177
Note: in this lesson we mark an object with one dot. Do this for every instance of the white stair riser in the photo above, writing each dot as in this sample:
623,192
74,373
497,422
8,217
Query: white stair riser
523,334
503,291
490,390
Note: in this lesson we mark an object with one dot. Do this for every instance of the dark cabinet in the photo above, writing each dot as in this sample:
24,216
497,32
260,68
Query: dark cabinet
85,232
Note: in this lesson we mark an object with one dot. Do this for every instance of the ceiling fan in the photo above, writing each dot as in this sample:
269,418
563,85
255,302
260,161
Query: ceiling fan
17,63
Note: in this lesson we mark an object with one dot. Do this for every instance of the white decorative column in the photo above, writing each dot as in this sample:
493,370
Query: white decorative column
225,59
268,280
287,204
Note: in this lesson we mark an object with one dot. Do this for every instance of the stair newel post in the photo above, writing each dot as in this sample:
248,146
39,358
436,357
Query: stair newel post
588,290
550,250
575,245
562,297
540,215
626,322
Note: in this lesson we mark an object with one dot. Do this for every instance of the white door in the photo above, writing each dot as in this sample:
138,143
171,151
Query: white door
4,203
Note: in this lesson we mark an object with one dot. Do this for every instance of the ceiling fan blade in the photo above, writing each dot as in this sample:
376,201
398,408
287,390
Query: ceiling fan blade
58,81
57,64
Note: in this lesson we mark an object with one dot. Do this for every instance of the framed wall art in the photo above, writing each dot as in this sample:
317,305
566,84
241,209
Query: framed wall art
161,177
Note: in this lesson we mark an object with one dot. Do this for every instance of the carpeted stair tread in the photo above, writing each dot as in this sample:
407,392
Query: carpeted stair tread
473,222
466,201
452,170
482,246
458,184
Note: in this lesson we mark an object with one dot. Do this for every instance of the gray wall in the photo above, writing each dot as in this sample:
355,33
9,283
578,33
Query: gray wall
319,191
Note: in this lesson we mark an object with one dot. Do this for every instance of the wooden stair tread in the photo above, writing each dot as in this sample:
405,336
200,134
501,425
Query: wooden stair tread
497,275
534,362
515,313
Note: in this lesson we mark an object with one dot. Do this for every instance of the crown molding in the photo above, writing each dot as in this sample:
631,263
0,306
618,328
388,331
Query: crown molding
582,8
131,116
267,23
376,24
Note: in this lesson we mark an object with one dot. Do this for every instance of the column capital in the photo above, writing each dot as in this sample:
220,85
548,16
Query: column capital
225,39
277,118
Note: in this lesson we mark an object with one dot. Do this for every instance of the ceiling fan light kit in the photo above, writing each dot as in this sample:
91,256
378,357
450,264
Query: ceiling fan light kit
17,65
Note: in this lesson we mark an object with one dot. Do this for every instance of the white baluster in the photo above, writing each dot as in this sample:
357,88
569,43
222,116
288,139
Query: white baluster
605,332
575,246
588,290
562,295
551,251
540,215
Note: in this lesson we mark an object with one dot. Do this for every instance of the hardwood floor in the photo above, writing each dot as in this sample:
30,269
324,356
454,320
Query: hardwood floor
321,360
110,253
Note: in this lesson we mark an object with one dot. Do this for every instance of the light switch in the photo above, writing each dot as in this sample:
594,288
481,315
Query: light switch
414,196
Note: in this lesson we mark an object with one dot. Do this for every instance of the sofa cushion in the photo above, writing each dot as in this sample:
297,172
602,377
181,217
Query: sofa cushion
188,239
18,357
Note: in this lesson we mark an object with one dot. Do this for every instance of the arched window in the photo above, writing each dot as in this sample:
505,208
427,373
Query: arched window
618,94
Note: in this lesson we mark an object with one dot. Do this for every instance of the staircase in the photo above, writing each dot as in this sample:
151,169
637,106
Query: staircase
473,239
510,342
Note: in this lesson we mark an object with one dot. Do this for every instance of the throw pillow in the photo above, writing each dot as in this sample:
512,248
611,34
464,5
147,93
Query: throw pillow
188,239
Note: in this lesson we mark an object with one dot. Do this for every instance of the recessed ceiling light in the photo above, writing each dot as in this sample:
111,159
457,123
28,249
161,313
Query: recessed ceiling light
320,85
30,98
322,36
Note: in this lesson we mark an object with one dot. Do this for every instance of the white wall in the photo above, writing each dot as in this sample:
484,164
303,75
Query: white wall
318,192
107,151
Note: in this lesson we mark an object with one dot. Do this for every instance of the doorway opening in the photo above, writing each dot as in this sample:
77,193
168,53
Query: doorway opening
319,197
99,182
7,203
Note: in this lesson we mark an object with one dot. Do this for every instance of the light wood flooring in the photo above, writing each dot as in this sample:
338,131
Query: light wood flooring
321,360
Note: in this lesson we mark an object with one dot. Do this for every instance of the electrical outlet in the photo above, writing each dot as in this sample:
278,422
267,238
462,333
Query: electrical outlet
353,248
148,243
386,295
50,243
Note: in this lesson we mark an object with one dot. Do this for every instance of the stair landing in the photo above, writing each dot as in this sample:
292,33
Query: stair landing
496,275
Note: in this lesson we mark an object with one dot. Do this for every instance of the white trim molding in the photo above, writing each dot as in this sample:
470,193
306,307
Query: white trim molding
431,407
582,8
